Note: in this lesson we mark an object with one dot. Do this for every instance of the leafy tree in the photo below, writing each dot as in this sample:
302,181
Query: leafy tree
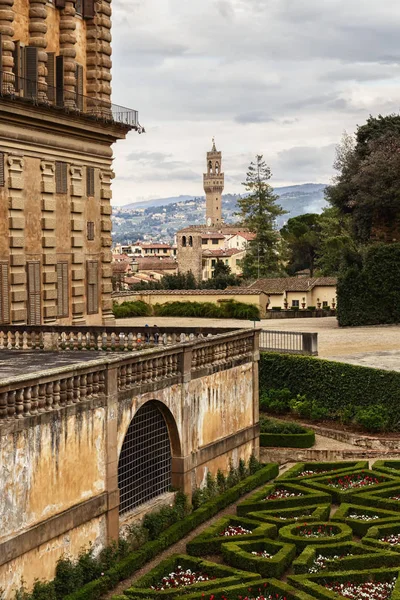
258,212
303,237
337,248
180,281
221,269
367,186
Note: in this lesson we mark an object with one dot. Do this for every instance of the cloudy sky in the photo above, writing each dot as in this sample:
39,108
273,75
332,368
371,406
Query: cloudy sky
283,78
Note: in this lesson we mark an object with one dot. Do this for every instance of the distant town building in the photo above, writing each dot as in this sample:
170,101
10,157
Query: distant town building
293,292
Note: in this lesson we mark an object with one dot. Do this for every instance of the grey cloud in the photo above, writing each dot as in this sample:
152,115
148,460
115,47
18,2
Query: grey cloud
253,117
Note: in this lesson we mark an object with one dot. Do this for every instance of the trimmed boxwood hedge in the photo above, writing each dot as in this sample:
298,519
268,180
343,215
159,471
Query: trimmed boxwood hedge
222,576
282,516
314,584
129,565
257,501
338,495
391,467
362,558
329,467
288,440
210,542
361,527
376,532
343,533
379,498
238,554
339,387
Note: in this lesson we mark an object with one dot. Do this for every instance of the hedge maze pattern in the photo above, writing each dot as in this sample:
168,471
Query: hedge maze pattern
321,531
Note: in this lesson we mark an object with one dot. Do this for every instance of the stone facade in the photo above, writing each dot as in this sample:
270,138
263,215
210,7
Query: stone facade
62,433
56,131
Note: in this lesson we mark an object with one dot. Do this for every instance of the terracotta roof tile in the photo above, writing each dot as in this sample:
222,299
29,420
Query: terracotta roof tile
280,285
228,292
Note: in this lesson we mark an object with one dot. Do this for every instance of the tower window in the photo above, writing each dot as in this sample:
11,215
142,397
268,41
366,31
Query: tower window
190,241
184,241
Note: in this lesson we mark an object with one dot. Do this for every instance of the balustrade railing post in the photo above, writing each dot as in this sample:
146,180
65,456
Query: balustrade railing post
310,344
185,363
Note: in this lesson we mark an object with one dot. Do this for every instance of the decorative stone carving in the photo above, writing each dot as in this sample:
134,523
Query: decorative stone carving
76,173
16,172
7,33
48,177
99,55
37,38
68,51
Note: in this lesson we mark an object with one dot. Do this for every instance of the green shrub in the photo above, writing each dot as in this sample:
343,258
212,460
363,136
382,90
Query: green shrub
276,401
291,534
229,309
308,409
337,387
276,308
131,309
374,418
370,294
318,469
361,526
239,554
274,426
311,308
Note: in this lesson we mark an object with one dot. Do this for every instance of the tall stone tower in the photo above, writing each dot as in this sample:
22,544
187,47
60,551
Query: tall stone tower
214,186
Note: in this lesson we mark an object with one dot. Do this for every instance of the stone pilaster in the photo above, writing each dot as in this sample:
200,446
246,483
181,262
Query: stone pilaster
49,259
99,55
37,38
15,182
68,51
106,227
7,33
77,243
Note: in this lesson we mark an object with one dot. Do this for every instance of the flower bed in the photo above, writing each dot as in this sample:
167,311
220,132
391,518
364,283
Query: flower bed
385,498
173,576
361,518
287,516
282,496
268,558
302,471
391,467
386,537
344,486
342,557
374,584
322,533
211,539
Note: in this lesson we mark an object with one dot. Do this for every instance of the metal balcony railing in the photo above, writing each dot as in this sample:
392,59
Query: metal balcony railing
44,95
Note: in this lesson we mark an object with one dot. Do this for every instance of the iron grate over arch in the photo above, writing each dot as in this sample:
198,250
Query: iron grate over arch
144,466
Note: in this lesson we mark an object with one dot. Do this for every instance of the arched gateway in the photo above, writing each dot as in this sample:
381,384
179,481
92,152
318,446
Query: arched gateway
144,466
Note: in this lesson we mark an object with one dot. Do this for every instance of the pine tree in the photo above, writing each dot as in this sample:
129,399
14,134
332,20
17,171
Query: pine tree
258,212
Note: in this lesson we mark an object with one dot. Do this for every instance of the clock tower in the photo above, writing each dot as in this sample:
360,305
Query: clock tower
214,186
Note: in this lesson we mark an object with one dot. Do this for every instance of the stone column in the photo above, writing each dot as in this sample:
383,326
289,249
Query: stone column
37,38
49,259
98,60
106,226
112,455
7,33
68,51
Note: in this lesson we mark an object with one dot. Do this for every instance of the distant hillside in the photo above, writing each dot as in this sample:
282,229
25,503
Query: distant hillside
159,219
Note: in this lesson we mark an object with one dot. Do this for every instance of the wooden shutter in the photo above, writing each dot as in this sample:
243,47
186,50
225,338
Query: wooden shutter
90,181
60,3
79,86
60,81
51,77
2,173
61,177
34,293
1,63
92,276
88,9
62,290
4,294
31,71
18,66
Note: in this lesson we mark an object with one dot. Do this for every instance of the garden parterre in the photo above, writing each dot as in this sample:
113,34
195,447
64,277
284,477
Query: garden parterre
287,529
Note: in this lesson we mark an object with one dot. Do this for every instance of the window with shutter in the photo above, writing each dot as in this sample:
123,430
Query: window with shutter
90,230
79,86
4,294
2,173
62,290
61,177
60,81
51,77
78,7
92,277
34,292
90,181
88,9
31,71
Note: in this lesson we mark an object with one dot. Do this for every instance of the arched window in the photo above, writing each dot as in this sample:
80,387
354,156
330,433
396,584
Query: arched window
190,240
184,240
216,168
144,466
210,169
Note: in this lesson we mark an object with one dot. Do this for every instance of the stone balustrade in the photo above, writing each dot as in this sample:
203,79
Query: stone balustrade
149,369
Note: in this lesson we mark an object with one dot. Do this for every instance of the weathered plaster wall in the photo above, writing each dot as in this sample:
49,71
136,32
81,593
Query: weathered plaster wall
46,469
40,563
222,462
